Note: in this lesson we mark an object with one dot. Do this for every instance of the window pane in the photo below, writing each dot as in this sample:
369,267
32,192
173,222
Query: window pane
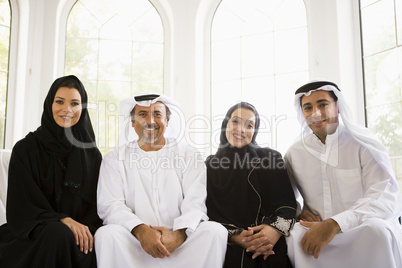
226,57
285,92
4,41
5,14
82,23
288,56
146,29
253,87
260,92
364,3
398,12
224,17
383,74
115,29
253,51
82,58
116,48
378,25
226,93
257,23
386,121
116,65
382,78
146,63
257,55
289,14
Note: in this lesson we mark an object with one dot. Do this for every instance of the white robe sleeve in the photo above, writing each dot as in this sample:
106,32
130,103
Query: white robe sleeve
379,198
193,208
112,208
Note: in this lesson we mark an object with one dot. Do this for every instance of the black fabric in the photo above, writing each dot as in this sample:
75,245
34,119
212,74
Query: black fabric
146,97
237,257
247,187
314,85
50,179
53,246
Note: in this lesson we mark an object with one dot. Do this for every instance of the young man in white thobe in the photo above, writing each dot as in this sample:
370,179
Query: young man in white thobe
351,199
151,194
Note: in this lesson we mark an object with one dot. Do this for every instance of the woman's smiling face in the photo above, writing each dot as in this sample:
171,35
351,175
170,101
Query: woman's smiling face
240,127
66,107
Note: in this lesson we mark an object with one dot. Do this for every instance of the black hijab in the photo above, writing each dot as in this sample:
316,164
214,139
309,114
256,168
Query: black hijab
67,145
58,140
227,171
53,171
247,185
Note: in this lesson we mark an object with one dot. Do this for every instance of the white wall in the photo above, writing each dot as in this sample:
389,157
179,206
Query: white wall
37,54
335,49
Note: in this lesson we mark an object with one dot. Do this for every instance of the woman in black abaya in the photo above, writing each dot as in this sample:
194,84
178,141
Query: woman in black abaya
52,180
249,193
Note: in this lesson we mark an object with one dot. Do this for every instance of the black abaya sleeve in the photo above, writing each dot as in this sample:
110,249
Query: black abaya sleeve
91,218
27,206
278,202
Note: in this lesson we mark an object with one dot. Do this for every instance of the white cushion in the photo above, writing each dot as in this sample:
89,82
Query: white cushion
4,161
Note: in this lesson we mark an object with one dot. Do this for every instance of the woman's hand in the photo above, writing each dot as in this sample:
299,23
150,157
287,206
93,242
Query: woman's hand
262,240
83,236
238,238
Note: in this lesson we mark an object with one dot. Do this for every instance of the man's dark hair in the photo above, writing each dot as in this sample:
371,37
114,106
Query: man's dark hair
331,94
168,112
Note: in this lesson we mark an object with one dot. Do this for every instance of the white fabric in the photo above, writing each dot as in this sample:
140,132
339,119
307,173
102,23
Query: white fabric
341,180
349,179
4,162
161,188
206,247
370,245
361,134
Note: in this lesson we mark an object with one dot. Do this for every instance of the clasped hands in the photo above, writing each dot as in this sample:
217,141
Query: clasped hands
319,234
159,242
260,240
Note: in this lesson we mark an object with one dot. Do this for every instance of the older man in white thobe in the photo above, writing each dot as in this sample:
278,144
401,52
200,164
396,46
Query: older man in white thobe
351,200
151,194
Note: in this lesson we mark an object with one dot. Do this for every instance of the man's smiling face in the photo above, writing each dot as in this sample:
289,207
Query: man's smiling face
321,113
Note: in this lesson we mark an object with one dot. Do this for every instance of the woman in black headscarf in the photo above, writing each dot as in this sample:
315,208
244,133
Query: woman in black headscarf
52,180
249,193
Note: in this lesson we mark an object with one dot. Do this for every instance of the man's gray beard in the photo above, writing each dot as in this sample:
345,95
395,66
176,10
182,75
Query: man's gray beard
152,140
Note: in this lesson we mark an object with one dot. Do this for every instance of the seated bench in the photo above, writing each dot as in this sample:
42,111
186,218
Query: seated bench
4,161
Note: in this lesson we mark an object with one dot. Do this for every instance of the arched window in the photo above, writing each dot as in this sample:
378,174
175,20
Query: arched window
116,49
5,21
259,54
381,23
